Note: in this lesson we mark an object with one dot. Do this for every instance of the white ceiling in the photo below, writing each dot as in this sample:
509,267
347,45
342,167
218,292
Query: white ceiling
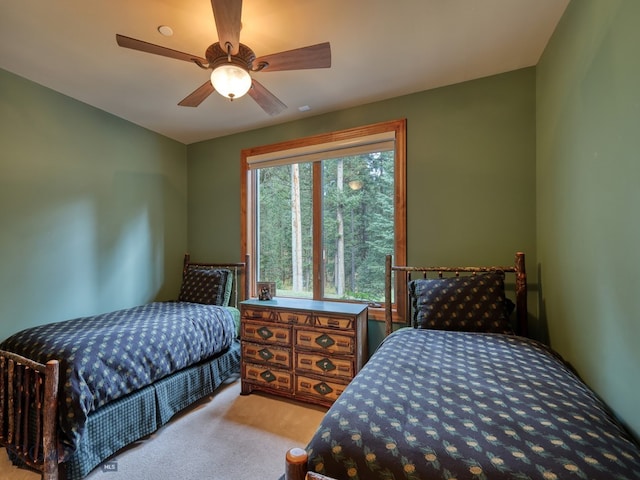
380,49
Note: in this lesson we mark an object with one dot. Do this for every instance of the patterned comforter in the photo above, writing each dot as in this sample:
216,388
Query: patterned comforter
104,357
433,404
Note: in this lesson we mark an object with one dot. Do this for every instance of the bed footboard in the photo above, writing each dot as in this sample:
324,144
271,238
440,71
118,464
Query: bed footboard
28,412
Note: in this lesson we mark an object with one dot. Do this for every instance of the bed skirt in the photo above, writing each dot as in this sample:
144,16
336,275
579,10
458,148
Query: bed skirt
141,413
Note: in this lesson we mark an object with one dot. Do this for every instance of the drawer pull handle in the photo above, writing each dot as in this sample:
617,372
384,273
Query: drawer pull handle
344,344
333,322
281,358
281,335
305,361
305,338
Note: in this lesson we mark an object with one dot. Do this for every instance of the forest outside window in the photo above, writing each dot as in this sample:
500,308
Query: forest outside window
321,213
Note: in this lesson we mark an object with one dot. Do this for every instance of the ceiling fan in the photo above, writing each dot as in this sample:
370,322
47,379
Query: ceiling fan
231,61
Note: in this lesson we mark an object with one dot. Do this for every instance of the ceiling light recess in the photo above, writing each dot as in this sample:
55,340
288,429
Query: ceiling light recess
165,30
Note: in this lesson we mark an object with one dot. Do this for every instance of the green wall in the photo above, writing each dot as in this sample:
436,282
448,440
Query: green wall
471,175
93,209
588,171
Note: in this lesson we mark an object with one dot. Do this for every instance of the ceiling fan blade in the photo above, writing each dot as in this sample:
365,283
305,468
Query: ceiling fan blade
228,16
314,56
142,46
198,95
267,100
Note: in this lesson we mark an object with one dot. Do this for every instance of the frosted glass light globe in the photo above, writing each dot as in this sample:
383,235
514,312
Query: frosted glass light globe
231,81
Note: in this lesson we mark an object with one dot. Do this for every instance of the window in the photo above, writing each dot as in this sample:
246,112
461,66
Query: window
321,213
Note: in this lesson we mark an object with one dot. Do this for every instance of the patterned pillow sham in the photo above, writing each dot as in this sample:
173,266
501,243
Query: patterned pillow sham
207,286
474,303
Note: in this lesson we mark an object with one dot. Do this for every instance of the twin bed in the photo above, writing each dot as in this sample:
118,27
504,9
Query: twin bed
73,393
463,394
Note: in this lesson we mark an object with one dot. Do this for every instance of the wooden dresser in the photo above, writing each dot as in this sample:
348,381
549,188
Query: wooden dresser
303,349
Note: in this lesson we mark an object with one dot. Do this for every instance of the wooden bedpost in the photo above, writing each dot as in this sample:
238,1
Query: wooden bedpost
388,315
521,294
247,269
185,263
296,464
49,437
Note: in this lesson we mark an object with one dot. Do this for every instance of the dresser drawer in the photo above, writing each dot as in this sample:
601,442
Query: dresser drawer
295,318
266,332
256,313
343,323
325,365
326,389
269,354
267,376
325,340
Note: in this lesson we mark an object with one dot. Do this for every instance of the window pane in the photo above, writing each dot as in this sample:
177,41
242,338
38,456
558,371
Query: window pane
284,226
342,239
357,224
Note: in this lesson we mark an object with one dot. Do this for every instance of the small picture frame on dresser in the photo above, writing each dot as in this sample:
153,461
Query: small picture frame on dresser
266,290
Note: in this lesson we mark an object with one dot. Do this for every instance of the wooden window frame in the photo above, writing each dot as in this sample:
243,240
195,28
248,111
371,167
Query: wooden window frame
247,208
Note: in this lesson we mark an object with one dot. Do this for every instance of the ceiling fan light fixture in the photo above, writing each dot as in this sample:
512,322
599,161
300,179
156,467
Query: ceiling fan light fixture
230,80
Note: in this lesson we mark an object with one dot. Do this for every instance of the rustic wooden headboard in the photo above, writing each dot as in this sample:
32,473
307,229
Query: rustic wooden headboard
406,273
239,270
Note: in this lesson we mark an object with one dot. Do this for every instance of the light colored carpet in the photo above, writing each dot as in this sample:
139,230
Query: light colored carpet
226,437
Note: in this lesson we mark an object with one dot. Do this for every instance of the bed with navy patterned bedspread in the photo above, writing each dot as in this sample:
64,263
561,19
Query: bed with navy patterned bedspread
433,404
106,357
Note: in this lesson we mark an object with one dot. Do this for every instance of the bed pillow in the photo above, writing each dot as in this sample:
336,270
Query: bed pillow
207,286
474,303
